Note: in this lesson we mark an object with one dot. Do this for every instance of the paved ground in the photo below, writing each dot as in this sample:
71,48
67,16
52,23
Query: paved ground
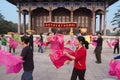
44,70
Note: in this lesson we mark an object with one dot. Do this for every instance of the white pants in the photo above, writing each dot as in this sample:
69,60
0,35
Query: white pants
4,48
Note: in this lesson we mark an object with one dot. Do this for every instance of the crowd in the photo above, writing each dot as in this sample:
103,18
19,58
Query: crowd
42,41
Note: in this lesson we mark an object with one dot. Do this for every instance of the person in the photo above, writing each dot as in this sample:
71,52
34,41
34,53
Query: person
49,36
72,37
40,49
98,48
116,46
12,40
3,43
79,59
31,41
27,56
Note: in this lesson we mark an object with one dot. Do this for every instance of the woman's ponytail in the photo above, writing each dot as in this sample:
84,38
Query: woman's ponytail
86,45
84,42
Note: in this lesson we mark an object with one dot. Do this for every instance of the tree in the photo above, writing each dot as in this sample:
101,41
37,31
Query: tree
116,19
7,26
1,17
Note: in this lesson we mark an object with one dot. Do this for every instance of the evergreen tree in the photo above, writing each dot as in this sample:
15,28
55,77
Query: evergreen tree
116,19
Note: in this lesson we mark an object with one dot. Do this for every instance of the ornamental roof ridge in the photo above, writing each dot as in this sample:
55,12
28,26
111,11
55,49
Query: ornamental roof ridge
110,2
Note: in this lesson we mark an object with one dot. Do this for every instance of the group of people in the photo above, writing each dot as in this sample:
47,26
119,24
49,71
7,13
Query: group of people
79,57
4,42
10,40
43,41
27,56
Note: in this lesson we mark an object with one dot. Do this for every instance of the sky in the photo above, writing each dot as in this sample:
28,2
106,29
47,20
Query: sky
9,12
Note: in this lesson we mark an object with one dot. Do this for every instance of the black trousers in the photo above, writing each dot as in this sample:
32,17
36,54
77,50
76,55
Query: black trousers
11,49
116,47
98,51
78,73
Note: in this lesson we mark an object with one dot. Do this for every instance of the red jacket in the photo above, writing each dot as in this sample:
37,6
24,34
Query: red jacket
80,58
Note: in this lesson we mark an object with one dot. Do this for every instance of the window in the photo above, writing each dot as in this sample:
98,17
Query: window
82,21
40,21
86,21
55,18
67,19
75,19
63,18
59,18
37,20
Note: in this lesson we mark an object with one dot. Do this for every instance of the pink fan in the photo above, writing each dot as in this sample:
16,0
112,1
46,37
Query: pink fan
112,66
11,62
114,42
58,60
109,44
94,43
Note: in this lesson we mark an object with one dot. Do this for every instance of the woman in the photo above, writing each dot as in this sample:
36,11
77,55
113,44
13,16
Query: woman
79,59
3,43
11,42
41,43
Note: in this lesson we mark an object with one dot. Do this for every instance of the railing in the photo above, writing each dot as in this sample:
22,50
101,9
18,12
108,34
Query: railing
68,37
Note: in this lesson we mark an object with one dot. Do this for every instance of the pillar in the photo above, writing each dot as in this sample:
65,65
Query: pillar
71,18
104,21
19,19
29,19
100,27
93,22
24,23
50,18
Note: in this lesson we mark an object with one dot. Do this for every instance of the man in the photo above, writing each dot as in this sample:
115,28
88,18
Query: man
98,48
27,56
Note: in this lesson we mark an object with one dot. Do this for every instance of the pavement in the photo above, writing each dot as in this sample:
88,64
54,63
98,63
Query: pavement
45,70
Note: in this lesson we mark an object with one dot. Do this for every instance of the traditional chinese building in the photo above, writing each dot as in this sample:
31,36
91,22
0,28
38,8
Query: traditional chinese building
81,12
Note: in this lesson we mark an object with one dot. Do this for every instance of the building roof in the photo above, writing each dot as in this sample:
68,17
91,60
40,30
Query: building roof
110,2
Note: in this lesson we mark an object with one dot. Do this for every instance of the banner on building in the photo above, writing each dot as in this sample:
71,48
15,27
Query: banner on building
60,24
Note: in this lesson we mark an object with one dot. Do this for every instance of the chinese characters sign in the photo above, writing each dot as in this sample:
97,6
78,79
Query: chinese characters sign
60,24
